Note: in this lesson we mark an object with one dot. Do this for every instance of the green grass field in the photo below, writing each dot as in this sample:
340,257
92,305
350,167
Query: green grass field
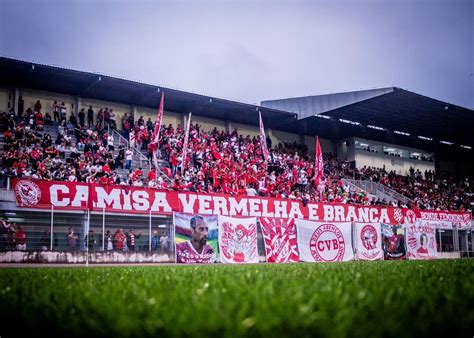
357,299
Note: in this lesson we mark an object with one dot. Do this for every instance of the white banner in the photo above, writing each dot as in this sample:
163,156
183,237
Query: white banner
238,239
324,241
368,241
421,241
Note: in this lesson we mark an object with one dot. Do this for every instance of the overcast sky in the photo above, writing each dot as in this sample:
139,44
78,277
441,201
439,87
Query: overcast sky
251,51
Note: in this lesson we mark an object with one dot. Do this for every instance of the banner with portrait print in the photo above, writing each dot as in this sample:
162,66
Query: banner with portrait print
368,241
421,240
279,235
195,238
324,241
238,240
393,241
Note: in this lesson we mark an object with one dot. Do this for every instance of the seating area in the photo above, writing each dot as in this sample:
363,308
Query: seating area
217,161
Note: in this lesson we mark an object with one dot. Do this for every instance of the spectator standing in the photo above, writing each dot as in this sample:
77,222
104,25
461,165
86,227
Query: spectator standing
132,239
63,111
128,158
164,243
155,241
6,228
89,240
56,110
46,240
90,116
19,237
21,106
119,239
82,117
38,106
72,240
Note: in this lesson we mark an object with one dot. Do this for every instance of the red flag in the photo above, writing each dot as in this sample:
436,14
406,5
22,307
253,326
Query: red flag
318,163
185,145
156,133
263,140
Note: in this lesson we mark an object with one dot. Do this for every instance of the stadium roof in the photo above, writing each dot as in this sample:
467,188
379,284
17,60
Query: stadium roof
385,114
23,74
391,110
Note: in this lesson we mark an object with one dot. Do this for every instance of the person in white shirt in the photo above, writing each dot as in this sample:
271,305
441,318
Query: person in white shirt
128,159
110,142
251,191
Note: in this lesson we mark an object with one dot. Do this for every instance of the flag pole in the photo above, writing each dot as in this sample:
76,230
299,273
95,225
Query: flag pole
156,135
185,144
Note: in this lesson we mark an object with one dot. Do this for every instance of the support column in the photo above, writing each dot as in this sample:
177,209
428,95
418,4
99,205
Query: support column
77,105
272,138
133,112
16,100
456,239
183,120
228,126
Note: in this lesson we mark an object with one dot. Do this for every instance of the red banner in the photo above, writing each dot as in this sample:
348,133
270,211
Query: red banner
115,198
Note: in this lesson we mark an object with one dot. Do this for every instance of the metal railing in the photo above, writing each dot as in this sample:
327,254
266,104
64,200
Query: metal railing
141,156
379,190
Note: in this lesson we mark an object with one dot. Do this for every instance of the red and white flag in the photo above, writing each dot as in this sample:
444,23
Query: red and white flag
185,145
324,241
279,235
263,139
368,239
156,133
238,239
318,163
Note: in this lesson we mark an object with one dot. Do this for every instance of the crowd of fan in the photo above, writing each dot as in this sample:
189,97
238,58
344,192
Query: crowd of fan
216,162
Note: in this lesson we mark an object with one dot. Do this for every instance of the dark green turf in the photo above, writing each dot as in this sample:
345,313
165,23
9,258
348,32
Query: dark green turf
357,299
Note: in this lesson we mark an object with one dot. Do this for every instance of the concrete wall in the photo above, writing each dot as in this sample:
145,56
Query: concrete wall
168,117
449,255
119,109
80,257
61,257
47,100
245,129
4,99
278,136
399,164
208,124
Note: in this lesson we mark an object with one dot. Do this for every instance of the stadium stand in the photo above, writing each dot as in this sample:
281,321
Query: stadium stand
48,139
218,161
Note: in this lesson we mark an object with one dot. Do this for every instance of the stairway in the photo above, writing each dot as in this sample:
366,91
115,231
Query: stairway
379,190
